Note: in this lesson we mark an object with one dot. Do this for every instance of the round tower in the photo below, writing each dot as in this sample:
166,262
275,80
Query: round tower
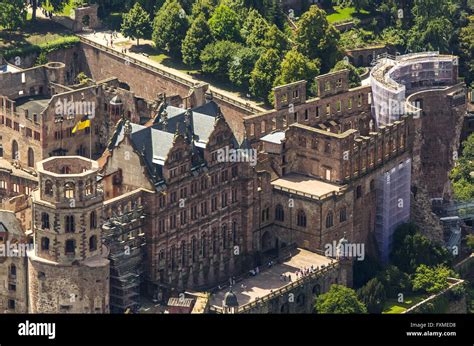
68,268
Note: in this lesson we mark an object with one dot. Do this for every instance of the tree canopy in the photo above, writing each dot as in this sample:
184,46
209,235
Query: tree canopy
136,23
170,27
339,300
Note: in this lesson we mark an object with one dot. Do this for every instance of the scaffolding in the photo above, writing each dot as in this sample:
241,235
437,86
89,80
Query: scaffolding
395,78
393,204
126,241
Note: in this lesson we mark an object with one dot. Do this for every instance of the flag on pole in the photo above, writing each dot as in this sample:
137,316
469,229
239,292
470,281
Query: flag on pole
84,123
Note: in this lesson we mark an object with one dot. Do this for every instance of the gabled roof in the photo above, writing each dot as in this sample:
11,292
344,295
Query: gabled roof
154,142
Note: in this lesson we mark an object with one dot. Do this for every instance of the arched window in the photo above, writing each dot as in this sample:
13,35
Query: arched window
359,191
329,219
15,152
48,188
69,190
343,214
93,243
44,220
301,218
89,188
45,244
70,224
31,158
203,245
279,213
93,220
70,247
13,270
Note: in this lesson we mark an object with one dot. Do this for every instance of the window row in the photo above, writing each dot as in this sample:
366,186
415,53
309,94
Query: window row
70,246
69,222
183,194
201,247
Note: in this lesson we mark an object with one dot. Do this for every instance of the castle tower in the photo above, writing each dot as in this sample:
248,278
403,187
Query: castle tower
68,268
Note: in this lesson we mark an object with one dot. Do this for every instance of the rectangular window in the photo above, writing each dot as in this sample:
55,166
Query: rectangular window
194,212
16,126
173,197
328,109
224,199
349,103
161,226
224,176
213,204
204,208
37,136
234,195
183,217
172,221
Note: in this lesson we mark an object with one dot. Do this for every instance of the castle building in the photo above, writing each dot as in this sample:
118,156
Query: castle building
68,269
179,201
198,232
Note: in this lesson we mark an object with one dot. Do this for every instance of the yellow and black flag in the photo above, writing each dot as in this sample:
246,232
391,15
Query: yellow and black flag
84,123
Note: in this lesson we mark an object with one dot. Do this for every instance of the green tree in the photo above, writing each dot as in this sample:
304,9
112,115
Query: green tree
264,74
12,14
431,279
215,58
254,29
170,27
394,281
242,64
136,23
295,67
197,38
205,7
42,59
339,300
354,78
275,39
316,38
433,28
416,249
224,24
373,296
365,270
466,47
461,177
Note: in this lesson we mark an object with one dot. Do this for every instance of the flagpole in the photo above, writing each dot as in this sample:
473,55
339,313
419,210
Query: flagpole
90,139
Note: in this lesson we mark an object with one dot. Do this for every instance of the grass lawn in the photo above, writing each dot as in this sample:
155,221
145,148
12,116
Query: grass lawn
40,32
340,14
392,306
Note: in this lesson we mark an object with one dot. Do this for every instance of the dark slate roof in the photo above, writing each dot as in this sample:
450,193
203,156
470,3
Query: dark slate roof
154,143
33,104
